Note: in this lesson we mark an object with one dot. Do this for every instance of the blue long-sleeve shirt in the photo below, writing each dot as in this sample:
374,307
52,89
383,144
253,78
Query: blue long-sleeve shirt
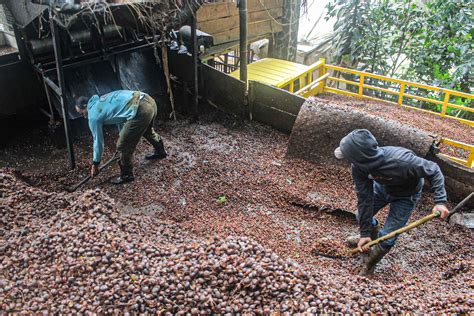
114,108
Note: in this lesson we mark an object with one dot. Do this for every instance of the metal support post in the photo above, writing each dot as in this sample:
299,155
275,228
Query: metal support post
195,68
226,63
50,103
400,95
243,40
447,96
322,71
62,89
361,85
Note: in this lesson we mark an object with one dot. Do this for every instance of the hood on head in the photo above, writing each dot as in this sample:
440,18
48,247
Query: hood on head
361,148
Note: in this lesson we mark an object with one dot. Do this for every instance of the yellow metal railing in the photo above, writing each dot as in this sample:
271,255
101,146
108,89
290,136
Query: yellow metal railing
469,162
317,84
445,104
314,85
309,80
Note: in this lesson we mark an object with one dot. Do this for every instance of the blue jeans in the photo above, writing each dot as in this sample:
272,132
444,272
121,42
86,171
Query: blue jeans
398,214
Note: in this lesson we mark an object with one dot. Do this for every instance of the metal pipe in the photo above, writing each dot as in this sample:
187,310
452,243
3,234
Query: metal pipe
460,205
62,90
92,58
43,46
53,86
195,67
243,40
50,102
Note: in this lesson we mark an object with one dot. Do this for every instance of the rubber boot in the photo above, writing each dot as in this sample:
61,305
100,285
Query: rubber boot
126,175
353,240
159,152
370,260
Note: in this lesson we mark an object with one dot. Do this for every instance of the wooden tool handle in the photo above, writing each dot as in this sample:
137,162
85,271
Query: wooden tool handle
415,224
399,231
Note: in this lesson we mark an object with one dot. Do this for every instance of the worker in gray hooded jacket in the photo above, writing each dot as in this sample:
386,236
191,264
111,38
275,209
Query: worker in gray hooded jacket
386,175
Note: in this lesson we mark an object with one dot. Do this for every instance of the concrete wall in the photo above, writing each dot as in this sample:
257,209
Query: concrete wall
285,42
7,36
22,11
10,40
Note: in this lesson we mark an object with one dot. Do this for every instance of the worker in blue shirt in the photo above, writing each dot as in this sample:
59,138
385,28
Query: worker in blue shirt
134,113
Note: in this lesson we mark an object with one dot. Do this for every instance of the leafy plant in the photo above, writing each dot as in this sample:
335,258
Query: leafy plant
374,35
443,53
430,41
222,199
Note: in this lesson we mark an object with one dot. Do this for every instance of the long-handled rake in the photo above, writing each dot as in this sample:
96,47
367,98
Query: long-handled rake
87,179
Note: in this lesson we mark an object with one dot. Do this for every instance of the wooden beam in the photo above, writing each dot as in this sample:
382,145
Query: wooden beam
228,23
279,99
256,5
278,119
219,10
214,11
229,46
228,96
254,30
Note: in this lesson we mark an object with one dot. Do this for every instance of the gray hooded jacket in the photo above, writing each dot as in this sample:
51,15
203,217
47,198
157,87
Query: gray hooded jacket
398,169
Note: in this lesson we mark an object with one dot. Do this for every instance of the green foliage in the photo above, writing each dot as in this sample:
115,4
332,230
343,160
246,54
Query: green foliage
374,35
444,52
430,42
349,29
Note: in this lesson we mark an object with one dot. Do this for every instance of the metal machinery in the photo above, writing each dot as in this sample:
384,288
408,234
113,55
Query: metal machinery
93,48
